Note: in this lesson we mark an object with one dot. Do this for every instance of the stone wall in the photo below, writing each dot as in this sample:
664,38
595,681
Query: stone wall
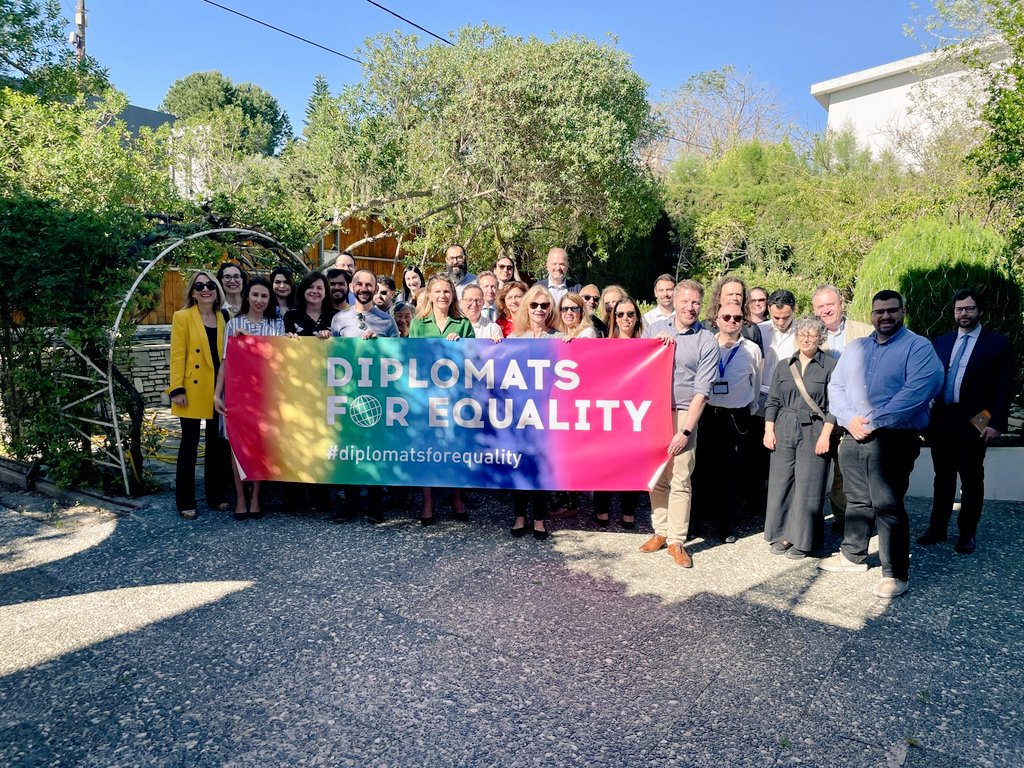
151,364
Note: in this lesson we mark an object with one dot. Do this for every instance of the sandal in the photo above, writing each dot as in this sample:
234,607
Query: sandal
188,514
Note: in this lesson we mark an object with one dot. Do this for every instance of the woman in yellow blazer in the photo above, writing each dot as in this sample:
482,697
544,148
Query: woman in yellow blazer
197,336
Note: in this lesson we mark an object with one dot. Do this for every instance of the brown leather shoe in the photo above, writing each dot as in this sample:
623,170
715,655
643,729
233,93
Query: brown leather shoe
680,555
653,544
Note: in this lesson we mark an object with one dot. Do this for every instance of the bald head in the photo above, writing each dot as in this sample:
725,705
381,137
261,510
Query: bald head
557,265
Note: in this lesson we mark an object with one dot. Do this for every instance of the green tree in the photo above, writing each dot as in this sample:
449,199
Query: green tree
203,95
502,143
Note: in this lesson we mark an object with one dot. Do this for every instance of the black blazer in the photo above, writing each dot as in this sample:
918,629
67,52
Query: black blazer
988,378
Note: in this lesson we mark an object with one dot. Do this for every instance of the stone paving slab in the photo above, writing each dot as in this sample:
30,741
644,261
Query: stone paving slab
149,640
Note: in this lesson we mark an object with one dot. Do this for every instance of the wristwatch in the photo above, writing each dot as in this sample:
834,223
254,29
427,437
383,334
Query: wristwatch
686,432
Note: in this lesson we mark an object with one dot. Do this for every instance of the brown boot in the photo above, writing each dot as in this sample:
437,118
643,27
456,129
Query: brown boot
653,544
680,555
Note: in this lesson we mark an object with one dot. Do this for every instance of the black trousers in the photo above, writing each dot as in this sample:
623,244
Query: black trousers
720,486
628,501
216,465
521,502
876,475
957,450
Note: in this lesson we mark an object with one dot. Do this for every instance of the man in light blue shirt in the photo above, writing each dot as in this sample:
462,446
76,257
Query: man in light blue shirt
881,392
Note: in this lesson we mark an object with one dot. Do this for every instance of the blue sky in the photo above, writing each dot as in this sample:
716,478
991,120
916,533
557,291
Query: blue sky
787,44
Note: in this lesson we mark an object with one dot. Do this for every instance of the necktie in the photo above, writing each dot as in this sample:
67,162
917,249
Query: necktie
954,369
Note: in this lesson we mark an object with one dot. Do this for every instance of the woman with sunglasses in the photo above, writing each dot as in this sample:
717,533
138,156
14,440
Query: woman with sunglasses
312,313
573,319
757,305
197,337
283,290
257,317
509,299
535,319
626,323
439,317
233,280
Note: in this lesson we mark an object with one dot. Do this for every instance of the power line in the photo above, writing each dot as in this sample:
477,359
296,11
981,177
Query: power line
413,23
283,31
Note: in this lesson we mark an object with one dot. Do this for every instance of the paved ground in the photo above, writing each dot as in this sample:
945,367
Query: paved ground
148,640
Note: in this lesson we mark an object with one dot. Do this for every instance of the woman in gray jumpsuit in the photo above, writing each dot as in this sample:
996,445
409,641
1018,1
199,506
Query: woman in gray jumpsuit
797,434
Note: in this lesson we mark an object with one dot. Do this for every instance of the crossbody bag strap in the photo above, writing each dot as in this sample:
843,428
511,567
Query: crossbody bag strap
799,381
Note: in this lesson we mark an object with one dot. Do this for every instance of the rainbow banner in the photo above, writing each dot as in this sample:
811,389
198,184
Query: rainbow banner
593,414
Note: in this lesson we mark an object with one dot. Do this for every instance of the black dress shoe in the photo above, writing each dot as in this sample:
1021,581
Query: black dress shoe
425,521
930,537
540,535
462,517
518,533
602,522
965,545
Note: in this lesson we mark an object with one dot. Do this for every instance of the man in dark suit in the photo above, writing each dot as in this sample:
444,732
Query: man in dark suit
979,366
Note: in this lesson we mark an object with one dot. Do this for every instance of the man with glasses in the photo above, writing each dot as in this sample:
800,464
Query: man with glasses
880,392
663,288
556,282
505,270
694,369
363,320
970,413
591,296
455,263
727,421
384,298
471,304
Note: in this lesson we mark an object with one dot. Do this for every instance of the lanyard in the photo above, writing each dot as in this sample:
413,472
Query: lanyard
722,366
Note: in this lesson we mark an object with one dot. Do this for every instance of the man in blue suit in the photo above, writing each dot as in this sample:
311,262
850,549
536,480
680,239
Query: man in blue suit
979,369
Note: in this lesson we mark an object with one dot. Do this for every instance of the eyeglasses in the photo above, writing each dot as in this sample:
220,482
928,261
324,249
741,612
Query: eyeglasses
232,278
572,309
590,299
503,266
540,305
200,285
362,321
625,313
758,301
809,335
472,301
964,310
731,318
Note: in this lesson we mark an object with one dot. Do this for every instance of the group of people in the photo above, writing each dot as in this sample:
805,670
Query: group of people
776,399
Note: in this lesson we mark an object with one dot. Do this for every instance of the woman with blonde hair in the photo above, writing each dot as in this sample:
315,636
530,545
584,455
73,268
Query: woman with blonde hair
197,337
573,319
535,319
439,317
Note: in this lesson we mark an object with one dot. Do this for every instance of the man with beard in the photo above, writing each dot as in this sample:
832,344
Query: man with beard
338,281
664,287
880,392
591,296
455,262
363,320
979,372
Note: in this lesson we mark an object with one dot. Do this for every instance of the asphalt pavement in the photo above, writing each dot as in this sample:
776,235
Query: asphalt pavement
149,640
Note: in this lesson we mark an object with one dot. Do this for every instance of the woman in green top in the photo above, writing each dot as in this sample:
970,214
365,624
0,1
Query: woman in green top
439,317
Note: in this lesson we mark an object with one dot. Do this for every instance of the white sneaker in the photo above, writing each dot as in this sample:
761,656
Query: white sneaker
890,587
839,563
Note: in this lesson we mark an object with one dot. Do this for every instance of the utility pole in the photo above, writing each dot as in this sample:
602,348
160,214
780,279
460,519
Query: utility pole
78,36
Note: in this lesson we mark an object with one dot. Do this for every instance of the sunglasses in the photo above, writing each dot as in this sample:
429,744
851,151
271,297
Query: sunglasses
540,305
202,285
503,266
731,318
572,309
630,313
362,321
590,299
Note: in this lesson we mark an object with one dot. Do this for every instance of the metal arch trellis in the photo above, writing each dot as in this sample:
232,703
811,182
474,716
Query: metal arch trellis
238,233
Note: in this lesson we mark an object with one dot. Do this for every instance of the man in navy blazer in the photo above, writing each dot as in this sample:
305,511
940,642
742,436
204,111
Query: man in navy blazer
979,369
556,282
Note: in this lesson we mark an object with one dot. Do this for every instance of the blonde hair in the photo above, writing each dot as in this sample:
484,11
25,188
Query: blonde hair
425,308
600,309
585,319
521,322
190,301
